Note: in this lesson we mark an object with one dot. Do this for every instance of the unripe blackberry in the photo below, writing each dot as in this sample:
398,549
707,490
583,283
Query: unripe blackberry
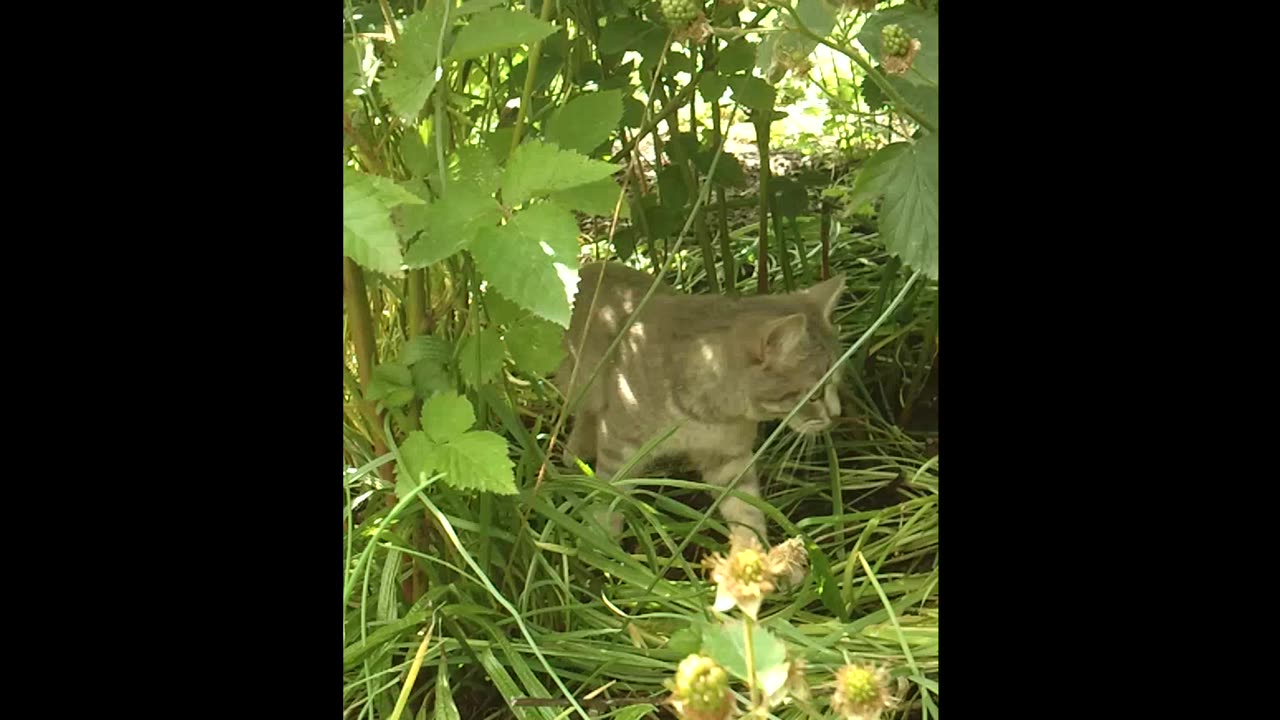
701,690
894,40
679,13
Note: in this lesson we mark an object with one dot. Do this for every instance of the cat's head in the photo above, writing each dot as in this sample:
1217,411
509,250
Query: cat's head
788,349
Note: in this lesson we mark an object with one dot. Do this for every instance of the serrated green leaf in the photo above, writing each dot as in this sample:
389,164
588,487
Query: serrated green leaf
663,220
471,7
625,33
652,46
632,112
495,30
586,121
430,378
407,85
533,260
388,378
711,87
549,67
872,95
475,166
909,214
392,373
415,460
726,644
736,57
619,79
598,198
729,172
923,98
686,641
476,461
502,311
672,187
391,193
677,63
874,174
819,16
752,92
446,416
414,153
681,145
498,142
453,222
535,345
398,397
624,242
423,347
368,235
480,357
538,168
792,200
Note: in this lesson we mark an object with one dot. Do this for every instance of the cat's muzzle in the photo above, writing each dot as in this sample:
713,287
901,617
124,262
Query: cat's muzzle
817,415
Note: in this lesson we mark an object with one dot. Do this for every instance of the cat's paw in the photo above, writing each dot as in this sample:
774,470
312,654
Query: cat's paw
742,536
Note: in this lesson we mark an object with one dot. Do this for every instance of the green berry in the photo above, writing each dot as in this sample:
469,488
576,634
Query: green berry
680,13
894,40
701,683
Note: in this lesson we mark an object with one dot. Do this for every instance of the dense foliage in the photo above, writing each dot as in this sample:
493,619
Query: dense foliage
490,147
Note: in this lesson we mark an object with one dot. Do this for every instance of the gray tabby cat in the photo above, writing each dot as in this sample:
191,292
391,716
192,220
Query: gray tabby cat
713,366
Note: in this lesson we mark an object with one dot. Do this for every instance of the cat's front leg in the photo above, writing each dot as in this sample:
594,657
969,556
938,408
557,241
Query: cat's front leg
612,454
745,520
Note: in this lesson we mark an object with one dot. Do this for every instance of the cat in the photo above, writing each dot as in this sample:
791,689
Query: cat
714,366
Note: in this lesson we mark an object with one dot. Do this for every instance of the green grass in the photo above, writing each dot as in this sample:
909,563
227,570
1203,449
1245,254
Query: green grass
529,599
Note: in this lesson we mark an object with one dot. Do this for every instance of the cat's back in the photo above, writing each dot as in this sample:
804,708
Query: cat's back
608,293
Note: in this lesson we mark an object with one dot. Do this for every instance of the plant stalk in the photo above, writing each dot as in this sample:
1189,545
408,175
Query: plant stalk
784,257
748,643
722,213
824,235
762,122
361,324
526,95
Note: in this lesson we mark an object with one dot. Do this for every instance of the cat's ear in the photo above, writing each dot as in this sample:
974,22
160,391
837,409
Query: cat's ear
779,337
826,294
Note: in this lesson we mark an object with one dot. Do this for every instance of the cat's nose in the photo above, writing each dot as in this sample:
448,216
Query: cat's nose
821,418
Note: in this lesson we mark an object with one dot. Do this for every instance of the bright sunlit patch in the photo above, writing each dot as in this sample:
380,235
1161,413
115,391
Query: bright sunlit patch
546,248
624,387
360,498
569,277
